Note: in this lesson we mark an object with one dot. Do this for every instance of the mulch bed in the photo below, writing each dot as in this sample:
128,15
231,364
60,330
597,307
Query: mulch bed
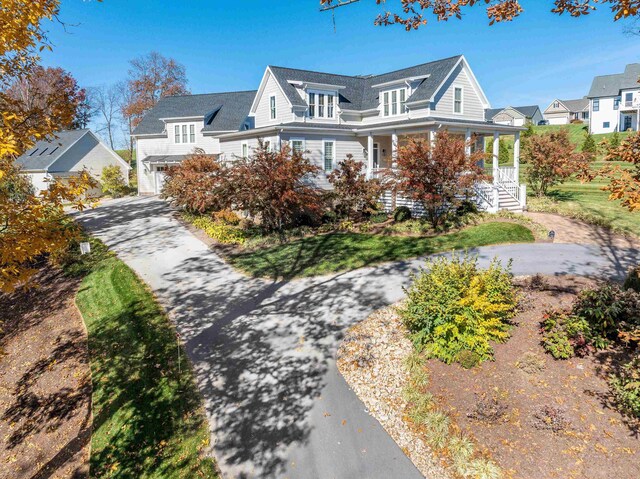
45,383
551,422
536,417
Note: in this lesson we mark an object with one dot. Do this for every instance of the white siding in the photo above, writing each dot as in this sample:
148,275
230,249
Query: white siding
263,111
472,107
605,114
38,181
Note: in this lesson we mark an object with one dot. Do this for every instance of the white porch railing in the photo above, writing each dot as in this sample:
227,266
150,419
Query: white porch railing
506,180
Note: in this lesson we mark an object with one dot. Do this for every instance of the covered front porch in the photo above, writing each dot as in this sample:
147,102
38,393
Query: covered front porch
503,191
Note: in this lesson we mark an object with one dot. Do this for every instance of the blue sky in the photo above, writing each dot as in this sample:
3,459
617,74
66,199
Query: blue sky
225,45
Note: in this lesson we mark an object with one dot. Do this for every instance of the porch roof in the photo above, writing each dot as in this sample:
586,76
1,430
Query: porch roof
163,159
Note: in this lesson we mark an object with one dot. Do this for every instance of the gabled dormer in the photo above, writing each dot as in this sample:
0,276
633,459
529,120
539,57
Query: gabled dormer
394,94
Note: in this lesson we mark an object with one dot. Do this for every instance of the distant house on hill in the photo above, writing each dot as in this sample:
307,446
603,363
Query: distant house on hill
514,115
562,112
67,155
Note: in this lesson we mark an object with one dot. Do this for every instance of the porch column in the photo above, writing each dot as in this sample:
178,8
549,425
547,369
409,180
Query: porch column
394,149
370,156
496,154
467,142
516,157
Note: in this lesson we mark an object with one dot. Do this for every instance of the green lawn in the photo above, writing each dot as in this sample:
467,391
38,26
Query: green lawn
148,420
330,253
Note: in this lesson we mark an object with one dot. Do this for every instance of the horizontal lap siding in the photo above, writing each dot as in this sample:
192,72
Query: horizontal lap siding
472,107
263,109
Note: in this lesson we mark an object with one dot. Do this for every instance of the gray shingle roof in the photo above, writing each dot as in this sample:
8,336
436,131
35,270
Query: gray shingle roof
221,111
610,85
358,92
527,111
576,105
46,152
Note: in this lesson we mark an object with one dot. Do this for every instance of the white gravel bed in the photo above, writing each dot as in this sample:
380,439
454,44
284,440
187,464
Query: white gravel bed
372,361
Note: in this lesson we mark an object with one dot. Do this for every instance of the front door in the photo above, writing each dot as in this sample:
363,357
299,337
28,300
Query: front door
627,123
376,155
160,177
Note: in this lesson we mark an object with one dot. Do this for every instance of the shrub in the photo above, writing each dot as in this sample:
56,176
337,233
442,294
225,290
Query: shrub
354,196
625,388
466,207
379,218
401,213
222,232
565,335
552,159
453,306
200,184
274,187
468,359
112,181
589,144
531,363
632,280
436,176
227,217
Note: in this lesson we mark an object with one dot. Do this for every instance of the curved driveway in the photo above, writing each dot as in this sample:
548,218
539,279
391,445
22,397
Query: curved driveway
264,351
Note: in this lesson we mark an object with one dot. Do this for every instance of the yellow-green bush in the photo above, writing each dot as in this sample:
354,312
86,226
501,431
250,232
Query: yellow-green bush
454,307
220,231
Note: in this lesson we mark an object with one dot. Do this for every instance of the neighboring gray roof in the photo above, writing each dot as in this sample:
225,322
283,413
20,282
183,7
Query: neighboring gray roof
610,85
527,111
576,105
358,93
221,111
46,152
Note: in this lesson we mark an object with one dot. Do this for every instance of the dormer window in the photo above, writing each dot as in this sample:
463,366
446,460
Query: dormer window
556,104
322,105
184,133
394,102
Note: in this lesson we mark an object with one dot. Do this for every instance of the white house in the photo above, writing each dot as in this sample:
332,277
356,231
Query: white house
66,155
330,116
515,115
614,101
563,112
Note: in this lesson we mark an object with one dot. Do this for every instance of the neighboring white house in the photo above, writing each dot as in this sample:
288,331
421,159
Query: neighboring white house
330,116
614,101
514,115
66,155
563,112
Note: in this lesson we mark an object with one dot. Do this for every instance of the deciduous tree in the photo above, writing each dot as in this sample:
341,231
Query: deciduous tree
354,196
152,77
624,183
200,184
552,159
274,187
436,176
106,103
412,14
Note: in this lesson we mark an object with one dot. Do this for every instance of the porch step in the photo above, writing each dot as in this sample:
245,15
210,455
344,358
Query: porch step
508,202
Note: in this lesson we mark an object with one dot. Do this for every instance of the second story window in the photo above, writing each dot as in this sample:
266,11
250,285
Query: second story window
457,100
628,99
394,102
184,134
616,103
596,105
322,105
272,107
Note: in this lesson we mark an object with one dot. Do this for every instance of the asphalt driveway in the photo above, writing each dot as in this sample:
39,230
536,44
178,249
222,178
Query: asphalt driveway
264,351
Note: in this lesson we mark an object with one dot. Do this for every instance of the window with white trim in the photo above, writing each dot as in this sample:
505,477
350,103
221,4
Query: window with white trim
297,145
596,105
184,133
556,104
321,105
457,99
272,106
245,149
394,102
616,103
328,154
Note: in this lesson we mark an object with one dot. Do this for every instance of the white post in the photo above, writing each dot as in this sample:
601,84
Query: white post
432,138
394,149
370,156
467,142
516,157
496,153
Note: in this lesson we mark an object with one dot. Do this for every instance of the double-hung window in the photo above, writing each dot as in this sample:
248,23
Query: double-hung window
312,105
386,103
394,102
328,154
297,145
596,105
321,105
245,149
457,100
330,105
185,134
628,99
616,103
272,107
403,100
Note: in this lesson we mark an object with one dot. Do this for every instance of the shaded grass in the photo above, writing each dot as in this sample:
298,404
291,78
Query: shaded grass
147,415
330,253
